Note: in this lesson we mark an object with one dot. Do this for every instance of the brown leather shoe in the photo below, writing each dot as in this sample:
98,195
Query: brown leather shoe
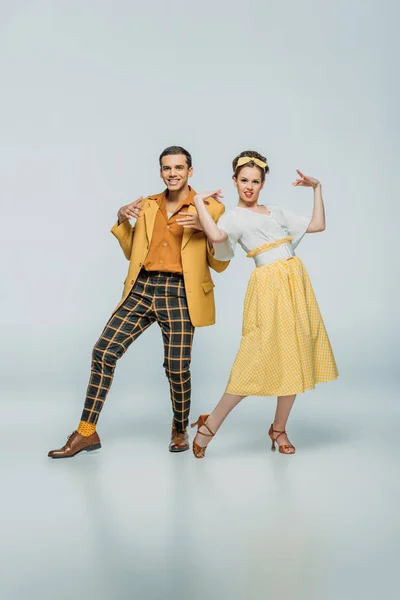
77,443
179,440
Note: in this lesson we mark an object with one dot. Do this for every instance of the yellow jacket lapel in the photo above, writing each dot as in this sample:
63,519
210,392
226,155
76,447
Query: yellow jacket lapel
187,233
150,213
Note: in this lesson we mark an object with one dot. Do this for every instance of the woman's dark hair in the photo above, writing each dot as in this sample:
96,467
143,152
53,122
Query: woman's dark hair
176,150
251,154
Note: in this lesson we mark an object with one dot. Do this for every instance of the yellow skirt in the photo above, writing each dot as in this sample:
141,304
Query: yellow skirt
284,348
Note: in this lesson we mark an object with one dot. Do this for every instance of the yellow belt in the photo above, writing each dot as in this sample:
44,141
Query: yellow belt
266,247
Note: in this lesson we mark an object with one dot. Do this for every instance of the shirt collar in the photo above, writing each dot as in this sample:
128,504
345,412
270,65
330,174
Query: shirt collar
160,198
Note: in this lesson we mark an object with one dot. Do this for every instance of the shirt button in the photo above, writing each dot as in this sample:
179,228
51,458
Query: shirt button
168,226
165,244
161,261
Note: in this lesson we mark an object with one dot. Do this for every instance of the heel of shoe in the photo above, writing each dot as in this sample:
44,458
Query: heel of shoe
271,435
95,447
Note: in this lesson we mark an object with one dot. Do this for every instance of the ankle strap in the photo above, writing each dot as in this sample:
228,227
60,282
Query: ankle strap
279,432
210,434
201,421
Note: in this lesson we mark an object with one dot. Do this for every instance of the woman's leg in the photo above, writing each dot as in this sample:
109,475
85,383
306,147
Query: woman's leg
283,407
229,401
217,417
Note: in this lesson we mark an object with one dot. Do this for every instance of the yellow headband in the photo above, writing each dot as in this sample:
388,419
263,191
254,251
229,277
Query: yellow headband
243,160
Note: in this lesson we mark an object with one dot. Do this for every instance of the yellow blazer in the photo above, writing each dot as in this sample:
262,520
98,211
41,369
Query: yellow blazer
196,258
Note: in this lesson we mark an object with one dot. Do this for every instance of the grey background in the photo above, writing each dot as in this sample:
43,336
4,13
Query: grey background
91,92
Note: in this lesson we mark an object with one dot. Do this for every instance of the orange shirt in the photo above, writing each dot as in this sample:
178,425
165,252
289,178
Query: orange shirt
166,241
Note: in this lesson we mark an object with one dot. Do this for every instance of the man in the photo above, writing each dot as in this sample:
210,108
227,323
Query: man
168,282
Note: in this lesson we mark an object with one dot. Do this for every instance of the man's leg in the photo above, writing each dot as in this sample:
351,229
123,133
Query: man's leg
177,330
125,325
122,329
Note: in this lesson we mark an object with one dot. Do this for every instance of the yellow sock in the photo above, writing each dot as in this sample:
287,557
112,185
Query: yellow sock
86,429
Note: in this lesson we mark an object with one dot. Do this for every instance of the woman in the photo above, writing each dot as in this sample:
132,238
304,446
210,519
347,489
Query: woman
284,348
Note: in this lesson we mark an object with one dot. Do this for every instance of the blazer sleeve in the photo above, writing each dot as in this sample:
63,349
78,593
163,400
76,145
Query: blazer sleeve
124,234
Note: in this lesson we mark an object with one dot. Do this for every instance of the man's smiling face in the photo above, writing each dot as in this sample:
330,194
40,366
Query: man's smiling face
175,171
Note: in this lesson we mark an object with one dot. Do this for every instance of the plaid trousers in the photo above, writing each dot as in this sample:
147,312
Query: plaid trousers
156,296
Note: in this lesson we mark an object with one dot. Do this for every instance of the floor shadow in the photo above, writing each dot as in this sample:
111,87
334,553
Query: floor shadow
241,436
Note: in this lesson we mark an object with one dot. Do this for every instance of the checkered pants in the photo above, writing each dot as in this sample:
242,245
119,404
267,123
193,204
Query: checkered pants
156,296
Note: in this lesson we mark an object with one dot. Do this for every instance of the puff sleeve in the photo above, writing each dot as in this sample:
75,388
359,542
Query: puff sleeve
229,223
296,225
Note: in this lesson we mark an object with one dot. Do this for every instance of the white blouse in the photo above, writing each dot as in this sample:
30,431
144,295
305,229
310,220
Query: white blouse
251,229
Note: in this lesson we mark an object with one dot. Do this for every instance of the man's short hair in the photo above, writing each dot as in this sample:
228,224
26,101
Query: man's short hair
176,150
